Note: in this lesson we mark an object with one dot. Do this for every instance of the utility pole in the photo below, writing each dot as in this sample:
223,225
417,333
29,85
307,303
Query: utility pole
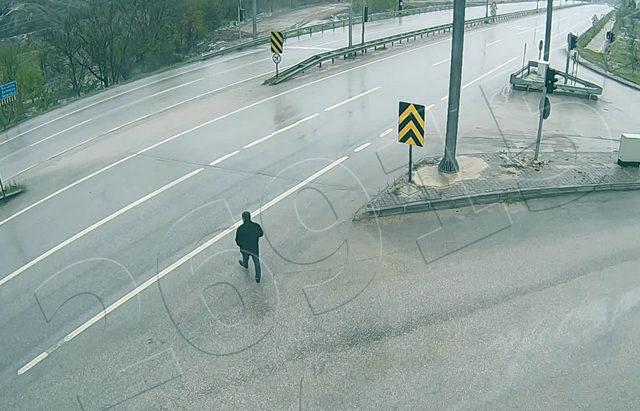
449,164
547,47
255,21
239,19
350,25
365,16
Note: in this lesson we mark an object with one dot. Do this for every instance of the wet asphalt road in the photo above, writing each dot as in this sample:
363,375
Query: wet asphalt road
499,307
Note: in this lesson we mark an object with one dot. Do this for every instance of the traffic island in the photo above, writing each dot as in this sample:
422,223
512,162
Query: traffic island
497,177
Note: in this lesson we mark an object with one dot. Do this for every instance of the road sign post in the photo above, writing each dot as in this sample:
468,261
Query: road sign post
411,121
548,75
572,43
277,48
276,59
540,46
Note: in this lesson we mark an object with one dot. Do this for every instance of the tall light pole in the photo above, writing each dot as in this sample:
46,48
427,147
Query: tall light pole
449,164
350,25
239,19
365,15
255,17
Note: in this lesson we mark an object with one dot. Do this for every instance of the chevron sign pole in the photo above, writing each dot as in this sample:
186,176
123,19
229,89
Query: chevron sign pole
411,128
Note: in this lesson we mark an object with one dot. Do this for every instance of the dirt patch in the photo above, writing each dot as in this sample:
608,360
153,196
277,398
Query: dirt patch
471,168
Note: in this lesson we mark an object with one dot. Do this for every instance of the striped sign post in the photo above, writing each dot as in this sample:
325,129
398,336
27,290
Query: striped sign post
411,121
277,47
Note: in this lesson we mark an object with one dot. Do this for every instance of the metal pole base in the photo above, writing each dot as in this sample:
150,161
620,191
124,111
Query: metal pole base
448,165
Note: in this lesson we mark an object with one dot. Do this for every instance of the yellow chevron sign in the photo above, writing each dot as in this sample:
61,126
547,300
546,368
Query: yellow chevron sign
277,42
411,124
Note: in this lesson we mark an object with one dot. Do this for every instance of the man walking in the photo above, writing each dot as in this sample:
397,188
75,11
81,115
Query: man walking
247,237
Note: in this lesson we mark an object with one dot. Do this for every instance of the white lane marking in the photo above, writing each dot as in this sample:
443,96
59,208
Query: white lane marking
122,160
186,101
174,266
387,131
96,225
32,363
59,132
489,72
282,130
482,76
412,50
308,48
494,42
118,95
221,159
362,147
441,62
351,99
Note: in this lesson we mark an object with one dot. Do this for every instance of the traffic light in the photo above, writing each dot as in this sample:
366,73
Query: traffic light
572,41
610,36
366,14
241,14
400,3
550,80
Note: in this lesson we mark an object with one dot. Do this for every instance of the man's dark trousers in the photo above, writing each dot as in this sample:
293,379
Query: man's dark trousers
256,261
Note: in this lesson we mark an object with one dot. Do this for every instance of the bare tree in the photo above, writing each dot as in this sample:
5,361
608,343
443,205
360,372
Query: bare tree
64,41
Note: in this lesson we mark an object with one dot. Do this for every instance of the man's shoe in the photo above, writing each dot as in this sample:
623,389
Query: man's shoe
243,266
258,279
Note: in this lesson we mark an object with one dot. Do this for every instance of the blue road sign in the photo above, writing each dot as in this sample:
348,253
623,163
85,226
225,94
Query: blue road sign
9,89
8,92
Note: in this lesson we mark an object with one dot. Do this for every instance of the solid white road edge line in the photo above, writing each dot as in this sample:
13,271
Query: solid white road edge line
174,266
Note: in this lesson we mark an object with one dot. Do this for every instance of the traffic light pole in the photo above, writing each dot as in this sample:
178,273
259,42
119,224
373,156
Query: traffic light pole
547,31
449,164
541,119
566,69
547,47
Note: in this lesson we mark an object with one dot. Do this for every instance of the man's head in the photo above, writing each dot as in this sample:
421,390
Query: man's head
246,216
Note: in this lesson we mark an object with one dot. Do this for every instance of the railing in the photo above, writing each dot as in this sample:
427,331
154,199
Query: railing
332,25
584,89
346,52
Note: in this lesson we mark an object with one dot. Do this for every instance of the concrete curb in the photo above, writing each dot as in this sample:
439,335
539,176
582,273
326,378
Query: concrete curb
492,197
597,69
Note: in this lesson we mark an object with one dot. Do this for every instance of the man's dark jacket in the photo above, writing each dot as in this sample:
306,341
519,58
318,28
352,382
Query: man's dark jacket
247,237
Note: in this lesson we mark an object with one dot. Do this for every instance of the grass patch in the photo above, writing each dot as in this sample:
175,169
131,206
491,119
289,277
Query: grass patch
623,56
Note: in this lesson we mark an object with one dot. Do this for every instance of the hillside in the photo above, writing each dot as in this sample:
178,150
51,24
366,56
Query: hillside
22,17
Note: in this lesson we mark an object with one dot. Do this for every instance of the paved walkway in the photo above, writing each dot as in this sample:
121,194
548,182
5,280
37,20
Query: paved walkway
495,177
599,41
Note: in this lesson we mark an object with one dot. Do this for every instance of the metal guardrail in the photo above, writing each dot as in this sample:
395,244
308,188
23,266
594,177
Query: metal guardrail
586,89
332,25
346,52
